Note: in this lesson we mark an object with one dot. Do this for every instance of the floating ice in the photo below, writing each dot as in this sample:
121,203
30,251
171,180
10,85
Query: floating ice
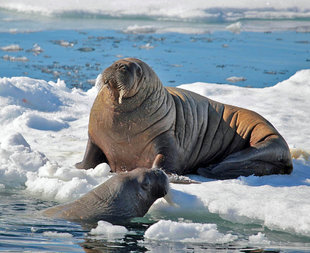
166,230
235,79
11,48
109,230
36,49
57,235
146,46
135,29
13,58
235,27
259,239
63,43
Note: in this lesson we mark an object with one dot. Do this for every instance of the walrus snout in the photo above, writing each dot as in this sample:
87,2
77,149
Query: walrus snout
153,181
122,78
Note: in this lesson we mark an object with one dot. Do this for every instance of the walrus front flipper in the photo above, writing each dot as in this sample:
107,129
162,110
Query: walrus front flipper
93,156
270,156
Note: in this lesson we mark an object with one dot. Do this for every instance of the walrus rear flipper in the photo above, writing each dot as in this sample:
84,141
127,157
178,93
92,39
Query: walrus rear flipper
270,156
93,156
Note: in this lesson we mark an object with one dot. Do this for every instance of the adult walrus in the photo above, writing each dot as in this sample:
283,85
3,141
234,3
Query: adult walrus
124,196
136,122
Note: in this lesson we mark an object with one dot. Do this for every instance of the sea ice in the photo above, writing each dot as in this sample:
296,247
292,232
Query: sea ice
235,79
109,230
57,235
258,239
11,48
13,58
166,230
137,29
235,27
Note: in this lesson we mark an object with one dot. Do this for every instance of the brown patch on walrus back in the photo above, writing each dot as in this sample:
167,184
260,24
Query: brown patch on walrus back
175,92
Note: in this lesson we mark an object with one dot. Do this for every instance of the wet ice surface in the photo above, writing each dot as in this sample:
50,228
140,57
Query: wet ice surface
44,132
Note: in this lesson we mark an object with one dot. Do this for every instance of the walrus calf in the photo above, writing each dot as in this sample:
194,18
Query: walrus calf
124,196
136,122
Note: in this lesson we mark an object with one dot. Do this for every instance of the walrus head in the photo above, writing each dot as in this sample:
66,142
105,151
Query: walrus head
122,78
122,197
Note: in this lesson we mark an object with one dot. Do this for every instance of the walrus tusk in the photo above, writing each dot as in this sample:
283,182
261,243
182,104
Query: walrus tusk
121,94
99,83
168,198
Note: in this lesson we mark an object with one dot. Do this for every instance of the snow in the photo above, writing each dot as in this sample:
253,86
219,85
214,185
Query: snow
44,133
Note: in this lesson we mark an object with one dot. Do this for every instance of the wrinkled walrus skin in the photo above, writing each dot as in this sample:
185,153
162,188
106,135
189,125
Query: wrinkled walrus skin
124,196
136,122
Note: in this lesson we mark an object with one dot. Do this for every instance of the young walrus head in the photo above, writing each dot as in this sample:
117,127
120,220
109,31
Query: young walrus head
120,198
122,78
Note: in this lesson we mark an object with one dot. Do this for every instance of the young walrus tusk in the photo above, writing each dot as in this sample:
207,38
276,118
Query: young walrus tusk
168,198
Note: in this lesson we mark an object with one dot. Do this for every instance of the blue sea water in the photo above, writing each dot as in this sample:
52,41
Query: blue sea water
261,59
78,55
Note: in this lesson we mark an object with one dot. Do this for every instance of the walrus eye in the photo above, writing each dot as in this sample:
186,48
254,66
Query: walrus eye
120,66
139,71
145,185
123,67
